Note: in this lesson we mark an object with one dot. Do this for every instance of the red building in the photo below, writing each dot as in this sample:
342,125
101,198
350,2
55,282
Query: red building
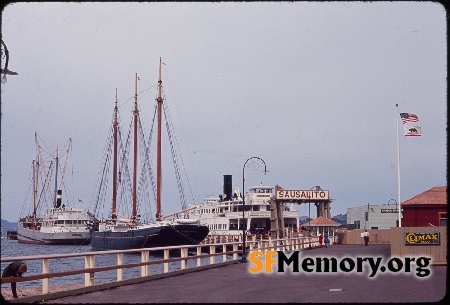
426,209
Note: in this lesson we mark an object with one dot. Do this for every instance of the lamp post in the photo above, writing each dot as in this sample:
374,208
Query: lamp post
309,217
255,164
309,223
5,70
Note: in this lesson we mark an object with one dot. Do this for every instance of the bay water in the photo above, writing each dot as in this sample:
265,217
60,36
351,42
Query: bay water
12,248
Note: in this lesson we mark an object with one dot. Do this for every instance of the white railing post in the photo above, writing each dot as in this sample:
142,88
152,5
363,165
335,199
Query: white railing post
224,257
199,260
144,259
119,263
89,262
45,269
212,258
166,265
184,254
235,255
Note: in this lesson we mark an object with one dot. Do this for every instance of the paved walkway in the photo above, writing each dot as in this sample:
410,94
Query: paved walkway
235,284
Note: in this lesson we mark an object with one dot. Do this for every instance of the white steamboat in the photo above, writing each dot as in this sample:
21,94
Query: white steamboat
224,214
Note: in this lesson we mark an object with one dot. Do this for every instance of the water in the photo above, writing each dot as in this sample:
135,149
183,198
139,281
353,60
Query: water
11,248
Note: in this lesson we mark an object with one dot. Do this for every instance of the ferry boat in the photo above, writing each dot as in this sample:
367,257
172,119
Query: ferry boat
223,215
59,225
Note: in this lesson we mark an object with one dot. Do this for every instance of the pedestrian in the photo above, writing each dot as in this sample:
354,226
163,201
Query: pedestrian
15,269
326,240
366,237
320,240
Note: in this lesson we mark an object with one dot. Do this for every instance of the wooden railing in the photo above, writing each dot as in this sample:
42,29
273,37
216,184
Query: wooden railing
211,251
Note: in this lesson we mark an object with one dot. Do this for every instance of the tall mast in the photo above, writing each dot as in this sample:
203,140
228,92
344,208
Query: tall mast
158,162
56,176
114,195
34,189
36,175
133,220
40,162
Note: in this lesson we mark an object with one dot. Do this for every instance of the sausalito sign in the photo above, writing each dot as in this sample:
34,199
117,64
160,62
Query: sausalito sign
302,195
422,238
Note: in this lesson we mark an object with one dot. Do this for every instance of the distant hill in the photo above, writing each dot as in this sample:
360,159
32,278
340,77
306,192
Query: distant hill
341,218
6,225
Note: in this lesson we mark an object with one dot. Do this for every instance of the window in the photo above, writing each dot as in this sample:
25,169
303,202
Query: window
443,219
357,224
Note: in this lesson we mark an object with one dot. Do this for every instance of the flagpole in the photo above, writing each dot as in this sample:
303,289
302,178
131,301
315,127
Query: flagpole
398,173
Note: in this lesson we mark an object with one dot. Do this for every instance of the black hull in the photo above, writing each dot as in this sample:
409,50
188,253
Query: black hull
151,237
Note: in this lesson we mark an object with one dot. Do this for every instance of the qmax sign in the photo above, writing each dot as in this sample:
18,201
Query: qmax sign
422,238
302,195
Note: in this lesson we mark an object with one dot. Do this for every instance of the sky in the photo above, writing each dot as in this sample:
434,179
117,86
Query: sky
309,88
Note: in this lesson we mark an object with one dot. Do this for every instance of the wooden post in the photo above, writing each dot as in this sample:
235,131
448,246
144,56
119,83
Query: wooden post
166,265
119,263
145,256
199,252
45,269
89,262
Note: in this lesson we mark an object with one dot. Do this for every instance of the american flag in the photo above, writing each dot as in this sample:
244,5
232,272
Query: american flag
408,117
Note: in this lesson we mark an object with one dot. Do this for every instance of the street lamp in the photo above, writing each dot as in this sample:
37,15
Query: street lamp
309,223
5,70
255,165
309,217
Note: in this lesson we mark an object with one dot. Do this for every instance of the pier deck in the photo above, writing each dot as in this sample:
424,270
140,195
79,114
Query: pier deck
235,284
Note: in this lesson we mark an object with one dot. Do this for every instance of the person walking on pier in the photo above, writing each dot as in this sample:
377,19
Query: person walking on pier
326,240
320,240
15,269
366,237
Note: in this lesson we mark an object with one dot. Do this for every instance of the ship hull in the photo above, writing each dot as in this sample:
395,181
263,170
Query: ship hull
30,236
151,237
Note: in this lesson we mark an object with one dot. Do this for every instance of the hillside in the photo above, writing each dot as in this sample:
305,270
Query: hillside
6,225
340,218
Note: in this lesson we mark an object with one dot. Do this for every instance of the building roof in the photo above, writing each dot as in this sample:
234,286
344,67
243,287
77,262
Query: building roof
321,222
434,196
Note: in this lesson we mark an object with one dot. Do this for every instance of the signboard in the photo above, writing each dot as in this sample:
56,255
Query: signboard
302,195
422,238
389,210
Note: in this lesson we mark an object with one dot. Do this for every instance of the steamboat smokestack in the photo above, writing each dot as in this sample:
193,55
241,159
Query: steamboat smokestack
227,187
58,198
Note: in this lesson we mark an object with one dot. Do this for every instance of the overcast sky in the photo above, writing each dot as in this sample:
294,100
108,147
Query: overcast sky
310,88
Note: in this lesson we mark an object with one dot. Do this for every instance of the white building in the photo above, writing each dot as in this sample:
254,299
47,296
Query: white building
371,216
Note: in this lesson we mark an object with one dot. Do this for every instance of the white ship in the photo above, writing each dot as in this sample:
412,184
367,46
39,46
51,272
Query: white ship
59,225
223,215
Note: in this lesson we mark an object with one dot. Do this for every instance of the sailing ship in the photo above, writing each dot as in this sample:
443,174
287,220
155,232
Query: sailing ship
119,231
59,225
223,214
